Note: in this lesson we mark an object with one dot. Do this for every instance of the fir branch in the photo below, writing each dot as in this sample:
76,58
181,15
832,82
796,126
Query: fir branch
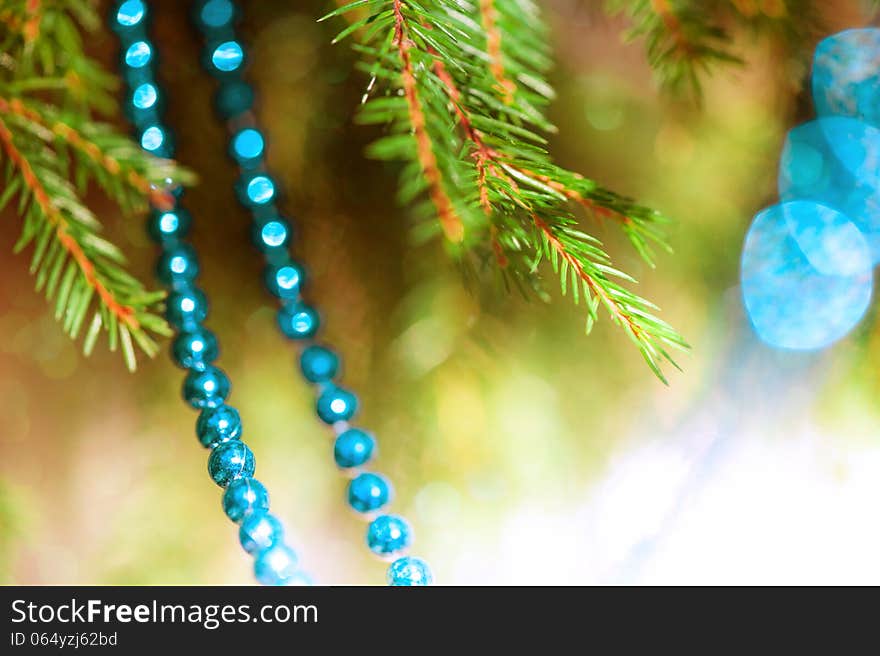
53,149
483,66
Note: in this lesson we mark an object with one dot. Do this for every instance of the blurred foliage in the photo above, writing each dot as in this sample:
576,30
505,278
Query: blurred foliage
490,415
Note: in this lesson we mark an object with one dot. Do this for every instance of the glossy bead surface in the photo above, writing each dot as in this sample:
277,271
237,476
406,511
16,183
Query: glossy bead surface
318,364
273,566
273,234
299,578
368,492
846,75
259,531
196,349
138,54
247,145
231,461
207,388
178,264
243,497
409,571
284,281
144,96
186,308
156,140
834,161
227,56
336,404
388,535
173,224
257,189
130,13
298,321
353,448
218,425
806,275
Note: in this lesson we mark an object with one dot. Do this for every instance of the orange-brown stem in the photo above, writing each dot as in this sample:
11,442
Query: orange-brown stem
489,16
31,28
123,312
157,197
595,288
452,225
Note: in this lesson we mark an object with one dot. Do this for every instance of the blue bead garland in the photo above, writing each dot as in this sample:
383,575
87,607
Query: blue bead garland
231,463
387,535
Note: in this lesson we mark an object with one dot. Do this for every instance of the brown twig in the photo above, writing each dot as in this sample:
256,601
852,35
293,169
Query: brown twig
157,197
123,312
489,16
451,223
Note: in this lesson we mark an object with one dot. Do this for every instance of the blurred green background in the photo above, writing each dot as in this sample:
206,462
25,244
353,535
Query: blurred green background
521,450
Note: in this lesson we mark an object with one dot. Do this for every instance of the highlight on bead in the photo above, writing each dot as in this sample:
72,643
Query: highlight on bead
284,281
846,75
218,425
806,275
130,13
259,531
318,364
298,321
275,565
353,448
336,404
231,461
186,308
195,349
260,190
834,161
207,388
227,56
152,138
368,492
243,497
144,96
388,535
409,571
139,54
164,225
247,145
274,234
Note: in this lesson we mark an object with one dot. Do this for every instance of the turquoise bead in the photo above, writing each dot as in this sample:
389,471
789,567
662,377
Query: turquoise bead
336,404
216,13
318,364
138,54
275,565
368,492
257,189
145,96
353,448
227,57
166,226
284,281
155,139
247,146
259,531
177,265
806,275
233,98
846,76
130,13
388,535
271,235
196,349
298,321
409,571
186,308
243,497
230,461
218,425
207,388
